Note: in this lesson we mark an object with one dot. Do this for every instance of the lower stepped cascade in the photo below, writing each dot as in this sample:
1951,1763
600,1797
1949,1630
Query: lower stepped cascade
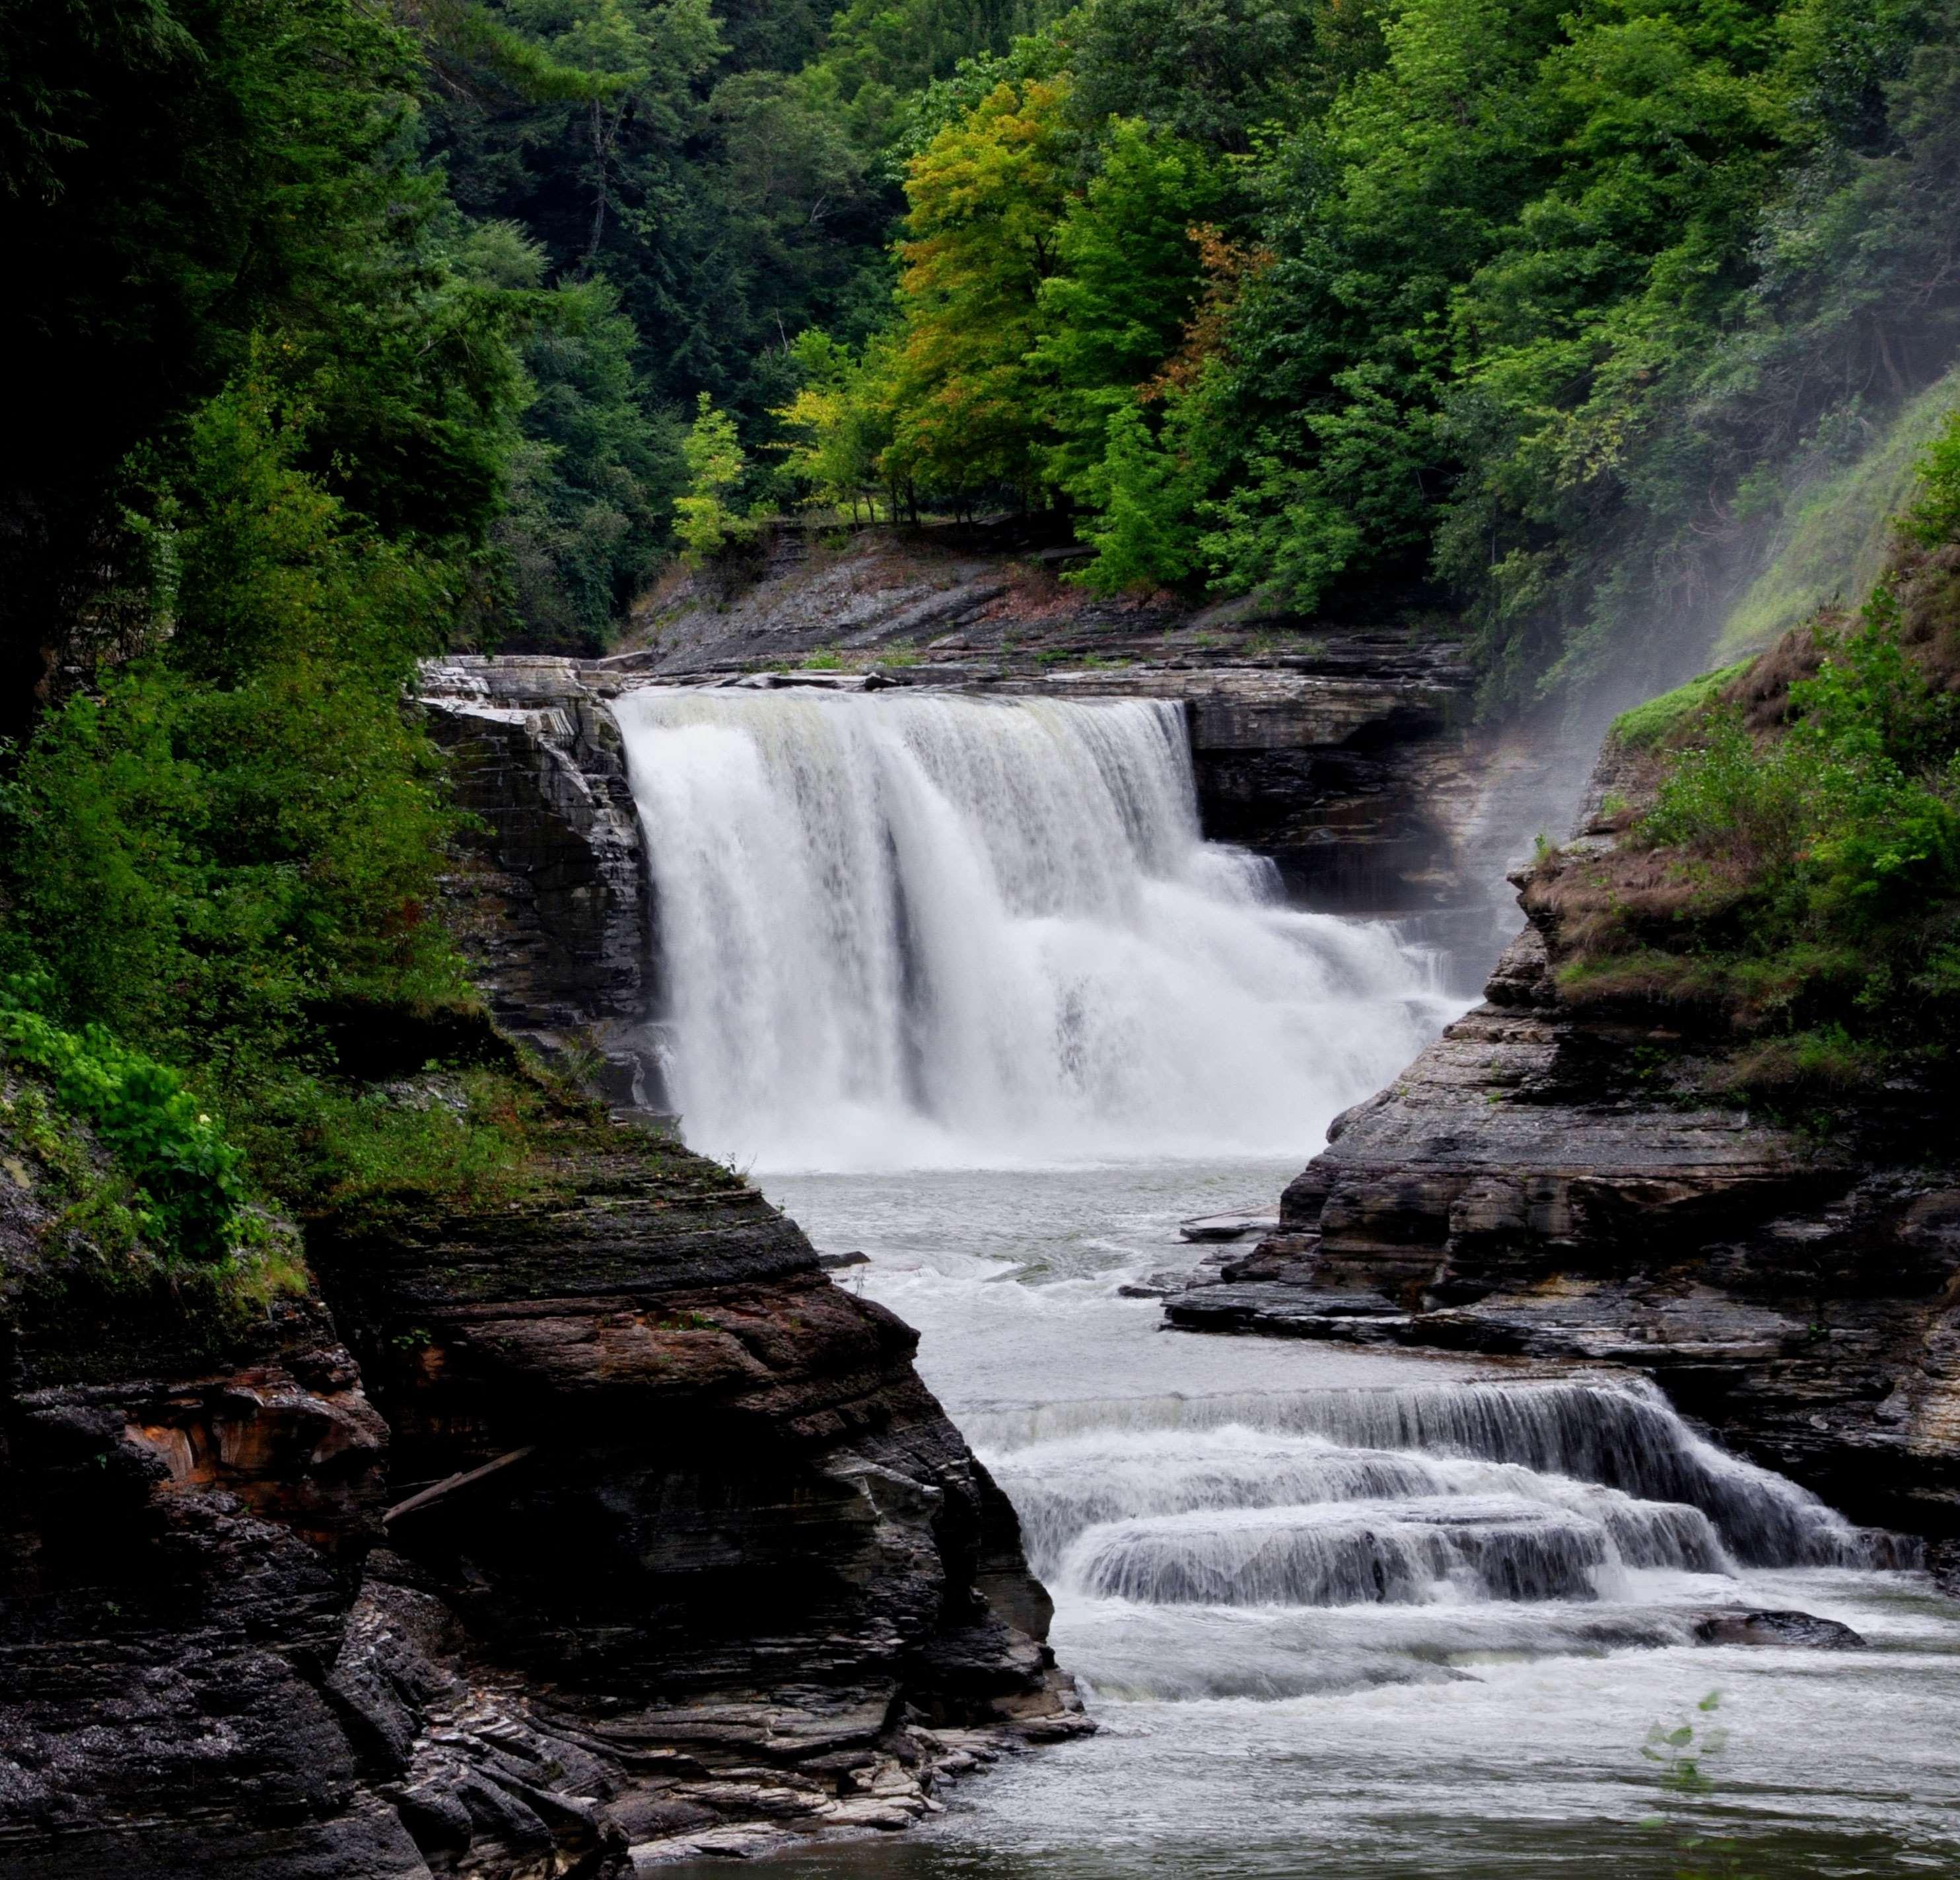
1444,1494
1399,1553
1612,1452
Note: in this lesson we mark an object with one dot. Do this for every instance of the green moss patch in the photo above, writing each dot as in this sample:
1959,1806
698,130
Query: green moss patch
1647,727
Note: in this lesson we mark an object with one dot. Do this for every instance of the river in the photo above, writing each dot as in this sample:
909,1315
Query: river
962,985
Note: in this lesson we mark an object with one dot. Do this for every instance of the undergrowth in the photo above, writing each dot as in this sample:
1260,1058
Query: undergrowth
186,1193
1793,884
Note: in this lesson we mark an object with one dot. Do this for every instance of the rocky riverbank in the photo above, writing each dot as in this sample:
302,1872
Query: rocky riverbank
1550,1178
563,1527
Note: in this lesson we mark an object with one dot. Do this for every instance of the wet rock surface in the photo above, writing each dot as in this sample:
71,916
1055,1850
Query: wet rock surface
738,1557
1528,1186
628,1533
551,899
1801,1630
181,1544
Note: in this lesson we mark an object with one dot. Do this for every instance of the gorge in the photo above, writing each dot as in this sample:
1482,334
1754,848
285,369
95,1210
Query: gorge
623,1534
806,1059
1209,1517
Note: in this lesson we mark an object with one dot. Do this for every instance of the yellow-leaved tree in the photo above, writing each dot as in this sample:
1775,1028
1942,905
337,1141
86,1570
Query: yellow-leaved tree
986,199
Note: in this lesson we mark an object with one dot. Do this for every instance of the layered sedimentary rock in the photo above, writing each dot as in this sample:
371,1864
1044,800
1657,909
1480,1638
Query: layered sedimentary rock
661,1538
550,896
1545,1180
1349,759
184,1514
614,1529
699,1535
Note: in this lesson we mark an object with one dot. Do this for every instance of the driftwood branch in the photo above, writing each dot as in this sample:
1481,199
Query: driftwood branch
448,1486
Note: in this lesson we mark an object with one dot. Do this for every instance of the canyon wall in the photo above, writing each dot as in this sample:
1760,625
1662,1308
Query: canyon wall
559,1527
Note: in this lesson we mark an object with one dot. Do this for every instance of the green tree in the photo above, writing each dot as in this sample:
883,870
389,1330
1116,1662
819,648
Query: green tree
706,519
839,424
241,826
1148,491
1213,72
986,198
185,177
1128,275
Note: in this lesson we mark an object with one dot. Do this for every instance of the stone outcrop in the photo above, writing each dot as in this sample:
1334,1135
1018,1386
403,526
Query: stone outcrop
550,899
629,1533
1542,1182
695,1542
614,1532
184,1514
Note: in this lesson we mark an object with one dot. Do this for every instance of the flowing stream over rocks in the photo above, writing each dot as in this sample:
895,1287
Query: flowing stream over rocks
963,983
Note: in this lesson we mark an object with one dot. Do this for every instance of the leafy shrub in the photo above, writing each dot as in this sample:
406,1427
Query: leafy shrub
1852,815
191,1191
243,823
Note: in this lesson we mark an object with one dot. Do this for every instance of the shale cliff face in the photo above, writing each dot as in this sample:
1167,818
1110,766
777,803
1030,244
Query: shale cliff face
182,1520
1346,757
1539,1182
700,1547
614,1531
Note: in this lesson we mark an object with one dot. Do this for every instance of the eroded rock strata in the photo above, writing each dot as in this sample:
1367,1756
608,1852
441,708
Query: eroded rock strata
581,1524
680,1544
697,1520
1546,1180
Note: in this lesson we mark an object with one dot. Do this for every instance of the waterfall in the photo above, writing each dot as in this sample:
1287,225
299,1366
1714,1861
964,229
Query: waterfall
1614,1453
935,930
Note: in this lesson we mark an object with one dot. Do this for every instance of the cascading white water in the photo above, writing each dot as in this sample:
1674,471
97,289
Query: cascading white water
902,931
965,975
1520,1492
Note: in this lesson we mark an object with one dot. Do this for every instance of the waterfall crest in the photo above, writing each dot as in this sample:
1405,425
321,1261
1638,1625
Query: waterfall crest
930,929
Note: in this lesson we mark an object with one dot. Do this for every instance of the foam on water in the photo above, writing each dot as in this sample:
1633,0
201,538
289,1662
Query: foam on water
1620,1435
1065,1488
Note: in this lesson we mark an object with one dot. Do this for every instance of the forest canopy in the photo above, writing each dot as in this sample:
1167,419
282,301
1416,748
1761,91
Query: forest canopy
1516,309
349,333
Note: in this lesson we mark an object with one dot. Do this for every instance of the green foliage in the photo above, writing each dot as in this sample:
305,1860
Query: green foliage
880,56
1934,516
1834,535
1682,1751
592,483
839,424
1653,723
224,836
1532,300
1851,819
444,1135
1143,489
1213,71
190,181
189,1193
1810,873
1127,277
705,519
986,201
